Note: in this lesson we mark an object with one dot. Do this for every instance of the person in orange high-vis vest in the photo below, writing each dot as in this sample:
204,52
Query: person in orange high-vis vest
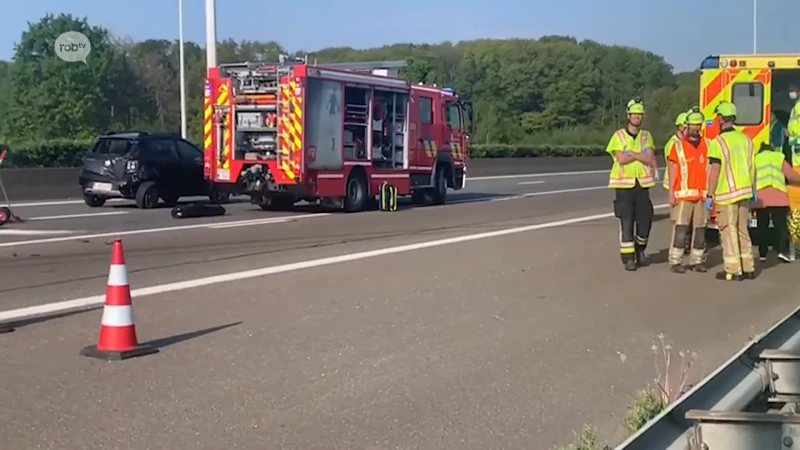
688,173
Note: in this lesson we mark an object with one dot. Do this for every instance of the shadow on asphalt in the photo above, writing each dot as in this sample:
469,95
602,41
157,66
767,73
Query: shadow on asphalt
178,338
48,317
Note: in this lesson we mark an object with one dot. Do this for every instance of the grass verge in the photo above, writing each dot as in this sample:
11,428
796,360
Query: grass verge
670,383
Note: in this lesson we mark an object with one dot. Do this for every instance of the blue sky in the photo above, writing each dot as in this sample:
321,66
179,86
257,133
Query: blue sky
683,31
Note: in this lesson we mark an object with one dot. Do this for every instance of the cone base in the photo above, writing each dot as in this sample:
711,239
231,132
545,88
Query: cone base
92,351
5,329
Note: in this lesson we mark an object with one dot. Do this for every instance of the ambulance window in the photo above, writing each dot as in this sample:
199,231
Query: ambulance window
749,101
453,115
425,110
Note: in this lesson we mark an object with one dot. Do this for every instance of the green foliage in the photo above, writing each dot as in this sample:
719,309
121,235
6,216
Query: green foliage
536,94
587,440
52,153
647,405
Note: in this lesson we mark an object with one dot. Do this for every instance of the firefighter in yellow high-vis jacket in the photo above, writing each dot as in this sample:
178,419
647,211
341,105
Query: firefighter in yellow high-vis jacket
631,177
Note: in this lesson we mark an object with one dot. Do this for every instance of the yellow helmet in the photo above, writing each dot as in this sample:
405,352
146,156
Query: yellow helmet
681,119
635,106
695,118
726,109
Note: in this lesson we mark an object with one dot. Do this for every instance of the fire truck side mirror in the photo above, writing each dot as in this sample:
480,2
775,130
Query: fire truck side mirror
466,106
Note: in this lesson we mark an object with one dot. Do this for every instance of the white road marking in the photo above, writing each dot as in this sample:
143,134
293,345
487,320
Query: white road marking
76,216
537,194
521,183
15,232
541,175
521,196
249,223
486,178
84,302
135,232
535,175
58,203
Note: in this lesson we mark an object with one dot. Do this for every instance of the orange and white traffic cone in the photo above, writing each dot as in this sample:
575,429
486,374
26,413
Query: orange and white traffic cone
117,339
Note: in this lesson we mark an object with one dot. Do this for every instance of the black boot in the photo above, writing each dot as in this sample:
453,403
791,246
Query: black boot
677,268
749,275
698,268
725,276
641,258
630,265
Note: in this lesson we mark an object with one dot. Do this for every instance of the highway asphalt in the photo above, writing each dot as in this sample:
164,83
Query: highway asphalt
508,339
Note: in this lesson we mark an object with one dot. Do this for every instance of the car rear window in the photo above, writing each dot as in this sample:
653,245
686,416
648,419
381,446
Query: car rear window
113,147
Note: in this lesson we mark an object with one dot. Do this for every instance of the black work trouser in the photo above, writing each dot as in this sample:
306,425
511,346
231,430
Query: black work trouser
634,209
779,216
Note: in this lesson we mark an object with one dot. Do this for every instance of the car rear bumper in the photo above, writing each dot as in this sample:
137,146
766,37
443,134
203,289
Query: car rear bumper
106,187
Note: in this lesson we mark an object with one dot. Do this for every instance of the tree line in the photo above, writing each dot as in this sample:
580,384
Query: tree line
552,91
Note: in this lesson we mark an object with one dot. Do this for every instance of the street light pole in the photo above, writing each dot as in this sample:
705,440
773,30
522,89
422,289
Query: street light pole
183,70
755,27
211,34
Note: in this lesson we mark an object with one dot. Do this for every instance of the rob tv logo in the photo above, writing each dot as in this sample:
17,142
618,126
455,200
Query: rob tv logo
73,47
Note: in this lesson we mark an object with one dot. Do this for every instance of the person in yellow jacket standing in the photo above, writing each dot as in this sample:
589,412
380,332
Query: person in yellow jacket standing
773,171
631,178
732,188
680,133
793,133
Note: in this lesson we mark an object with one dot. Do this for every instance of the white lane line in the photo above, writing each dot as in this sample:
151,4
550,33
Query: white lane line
58,203
537,194
15,232
250,223
542,175
535,175
84,302
76,216
521,196
135,232
522,183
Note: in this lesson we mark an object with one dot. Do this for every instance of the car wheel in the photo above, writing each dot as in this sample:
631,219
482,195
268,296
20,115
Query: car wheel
5,215
147,195
170,199
355,198
94,201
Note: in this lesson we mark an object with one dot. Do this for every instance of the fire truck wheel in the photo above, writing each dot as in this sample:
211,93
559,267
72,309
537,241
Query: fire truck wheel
5,215
355,198
147,195
219,196
440,189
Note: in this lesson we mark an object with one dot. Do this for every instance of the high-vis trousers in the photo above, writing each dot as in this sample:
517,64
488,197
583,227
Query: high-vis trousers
635,212
734,236
687,215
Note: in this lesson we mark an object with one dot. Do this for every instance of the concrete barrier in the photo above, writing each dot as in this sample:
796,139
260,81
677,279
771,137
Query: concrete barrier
62,183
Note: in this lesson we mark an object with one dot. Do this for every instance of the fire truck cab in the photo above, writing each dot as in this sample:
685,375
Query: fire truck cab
293,131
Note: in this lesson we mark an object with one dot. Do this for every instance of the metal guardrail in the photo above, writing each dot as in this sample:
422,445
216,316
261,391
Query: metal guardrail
62,183
748,403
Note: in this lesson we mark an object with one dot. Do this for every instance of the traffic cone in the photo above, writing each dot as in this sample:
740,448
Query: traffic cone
117,339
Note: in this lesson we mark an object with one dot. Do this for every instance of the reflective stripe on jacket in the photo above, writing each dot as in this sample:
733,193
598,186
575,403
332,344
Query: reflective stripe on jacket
734,150
691,178
625,176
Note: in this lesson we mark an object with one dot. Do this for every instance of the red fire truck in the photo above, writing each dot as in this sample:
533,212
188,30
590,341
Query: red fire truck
294,131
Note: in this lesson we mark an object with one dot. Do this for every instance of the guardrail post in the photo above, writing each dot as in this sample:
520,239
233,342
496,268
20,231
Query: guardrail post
784,375
725,430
